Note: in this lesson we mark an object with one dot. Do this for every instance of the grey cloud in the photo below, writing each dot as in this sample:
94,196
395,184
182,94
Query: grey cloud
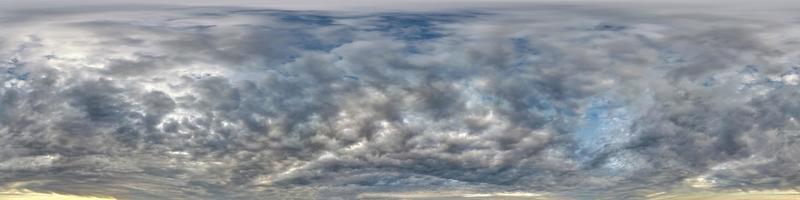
228,103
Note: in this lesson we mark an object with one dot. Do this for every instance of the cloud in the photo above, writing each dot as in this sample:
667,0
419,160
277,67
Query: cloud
240,103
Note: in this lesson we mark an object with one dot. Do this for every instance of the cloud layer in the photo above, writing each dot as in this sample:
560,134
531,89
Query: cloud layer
240,103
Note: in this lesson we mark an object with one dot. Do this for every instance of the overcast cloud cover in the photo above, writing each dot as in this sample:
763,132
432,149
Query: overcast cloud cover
571,100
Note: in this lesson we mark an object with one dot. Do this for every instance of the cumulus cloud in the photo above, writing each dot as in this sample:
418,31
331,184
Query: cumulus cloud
240,103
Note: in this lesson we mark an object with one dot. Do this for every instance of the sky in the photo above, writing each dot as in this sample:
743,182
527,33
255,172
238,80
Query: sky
399,100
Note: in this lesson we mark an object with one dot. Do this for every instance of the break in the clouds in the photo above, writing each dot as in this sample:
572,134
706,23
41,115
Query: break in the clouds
541,101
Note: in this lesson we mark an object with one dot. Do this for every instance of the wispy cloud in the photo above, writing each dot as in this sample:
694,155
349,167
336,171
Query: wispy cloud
563,100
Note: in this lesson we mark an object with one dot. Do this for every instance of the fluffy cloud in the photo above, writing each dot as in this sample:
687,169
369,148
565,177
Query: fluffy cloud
211,103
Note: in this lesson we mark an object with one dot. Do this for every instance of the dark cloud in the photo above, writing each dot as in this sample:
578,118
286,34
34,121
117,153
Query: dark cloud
226,103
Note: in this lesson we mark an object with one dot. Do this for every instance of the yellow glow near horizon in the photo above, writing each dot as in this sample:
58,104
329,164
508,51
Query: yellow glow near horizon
732,195
23,194
687,195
